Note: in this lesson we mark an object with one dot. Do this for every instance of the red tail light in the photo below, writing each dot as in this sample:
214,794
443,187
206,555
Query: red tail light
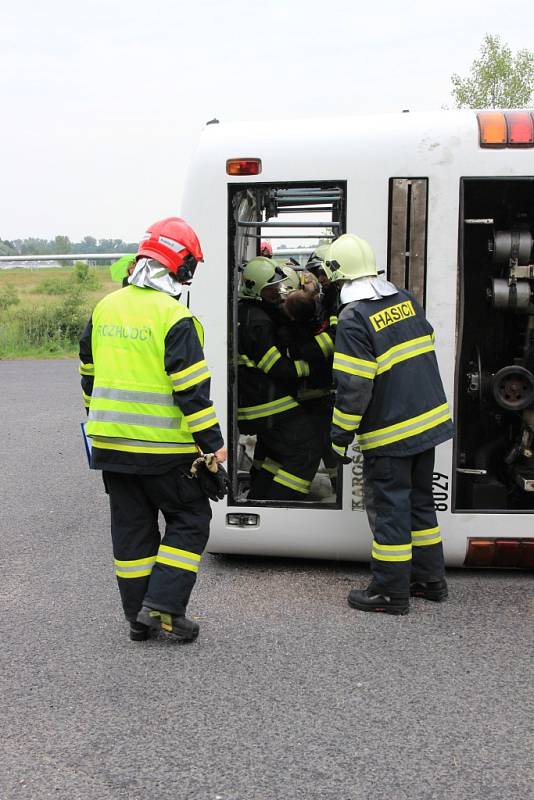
527,554
512,553
520,128
243,166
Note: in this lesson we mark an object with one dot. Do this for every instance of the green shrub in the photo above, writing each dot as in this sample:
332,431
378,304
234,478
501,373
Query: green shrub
54,286
49,329
8,297
85,276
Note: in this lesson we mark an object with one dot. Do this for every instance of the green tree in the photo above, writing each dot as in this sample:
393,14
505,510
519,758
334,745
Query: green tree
7,249
89,242
33,246
62,244
498,79
111,246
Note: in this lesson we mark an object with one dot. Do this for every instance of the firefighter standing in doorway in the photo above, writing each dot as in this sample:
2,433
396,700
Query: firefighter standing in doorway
287,452
329,290
146,385
307,336
389,392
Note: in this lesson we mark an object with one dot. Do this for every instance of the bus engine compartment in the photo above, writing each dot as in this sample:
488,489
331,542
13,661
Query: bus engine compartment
494,449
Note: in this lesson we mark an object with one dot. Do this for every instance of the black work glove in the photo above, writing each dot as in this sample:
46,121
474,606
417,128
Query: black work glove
340,453
212,476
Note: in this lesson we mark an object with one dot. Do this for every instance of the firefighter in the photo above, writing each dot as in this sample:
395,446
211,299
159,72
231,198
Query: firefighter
287,451
329,290
147,390
313,340
390,393
266,250
291,281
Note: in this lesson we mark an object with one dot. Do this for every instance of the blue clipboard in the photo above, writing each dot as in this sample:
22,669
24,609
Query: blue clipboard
87,442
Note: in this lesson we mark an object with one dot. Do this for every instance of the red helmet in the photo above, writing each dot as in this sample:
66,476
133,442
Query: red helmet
266,246
174,244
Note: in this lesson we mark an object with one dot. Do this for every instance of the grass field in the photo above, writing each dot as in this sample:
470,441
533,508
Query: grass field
43,311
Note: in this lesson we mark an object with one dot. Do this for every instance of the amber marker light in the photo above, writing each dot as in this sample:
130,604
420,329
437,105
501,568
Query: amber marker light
492,127
507,553
243,166
520,128
480,553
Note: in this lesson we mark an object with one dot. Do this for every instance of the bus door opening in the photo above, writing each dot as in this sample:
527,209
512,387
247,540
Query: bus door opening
286,222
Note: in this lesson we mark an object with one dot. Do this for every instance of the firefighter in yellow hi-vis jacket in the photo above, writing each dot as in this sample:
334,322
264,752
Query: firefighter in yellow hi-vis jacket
389,392
147,389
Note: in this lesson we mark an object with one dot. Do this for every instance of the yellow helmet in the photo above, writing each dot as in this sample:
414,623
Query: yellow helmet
259,273
291,281
316,261
351,257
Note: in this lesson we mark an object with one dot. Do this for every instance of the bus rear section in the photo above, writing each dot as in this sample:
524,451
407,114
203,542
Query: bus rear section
451,220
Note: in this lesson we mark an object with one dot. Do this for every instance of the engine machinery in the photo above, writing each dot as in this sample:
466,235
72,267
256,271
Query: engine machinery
495,383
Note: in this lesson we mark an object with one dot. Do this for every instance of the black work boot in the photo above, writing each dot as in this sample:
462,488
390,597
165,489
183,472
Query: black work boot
430,590
181,628
138,632
374,599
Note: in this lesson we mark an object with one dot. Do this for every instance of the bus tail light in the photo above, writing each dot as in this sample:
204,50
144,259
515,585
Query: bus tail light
492,126
528,554
506,128
243,166
520,128
511,553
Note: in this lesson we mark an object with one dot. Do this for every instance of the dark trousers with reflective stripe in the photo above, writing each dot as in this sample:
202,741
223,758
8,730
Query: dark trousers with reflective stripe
399,502
292,442
135,502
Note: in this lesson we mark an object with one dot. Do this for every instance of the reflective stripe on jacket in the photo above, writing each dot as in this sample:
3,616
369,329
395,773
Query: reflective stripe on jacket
388,388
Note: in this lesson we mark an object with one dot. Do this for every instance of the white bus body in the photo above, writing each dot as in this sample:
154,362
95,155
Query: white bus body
428,197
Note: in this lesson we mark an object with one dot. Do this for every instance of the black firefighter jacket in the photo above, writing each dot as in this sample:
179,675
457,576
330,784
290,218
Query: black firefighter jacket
268,379
389,390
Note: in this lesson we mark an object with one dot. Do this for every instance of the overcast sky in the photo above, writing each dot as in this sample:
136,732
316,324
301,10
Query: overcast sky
103,101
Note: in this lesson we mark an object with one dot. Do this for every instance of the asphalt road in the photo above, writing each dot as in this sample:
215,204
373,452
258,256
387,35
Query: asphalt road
287,694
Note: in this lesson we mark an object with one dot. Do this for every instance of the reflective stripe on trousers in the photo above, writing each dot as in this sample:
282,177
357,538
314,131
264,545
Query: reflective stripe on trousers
426,537
292,481
391,552
400,508
267,464
181,559
152,572
136,568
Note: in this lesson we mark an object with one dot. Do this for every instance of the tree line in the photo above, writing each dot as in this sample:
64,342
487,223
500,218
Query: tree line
61,245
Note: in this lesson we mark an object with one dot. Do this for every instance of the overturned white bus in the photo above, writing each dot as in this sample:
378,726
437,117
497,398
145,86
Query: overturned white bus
447,201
